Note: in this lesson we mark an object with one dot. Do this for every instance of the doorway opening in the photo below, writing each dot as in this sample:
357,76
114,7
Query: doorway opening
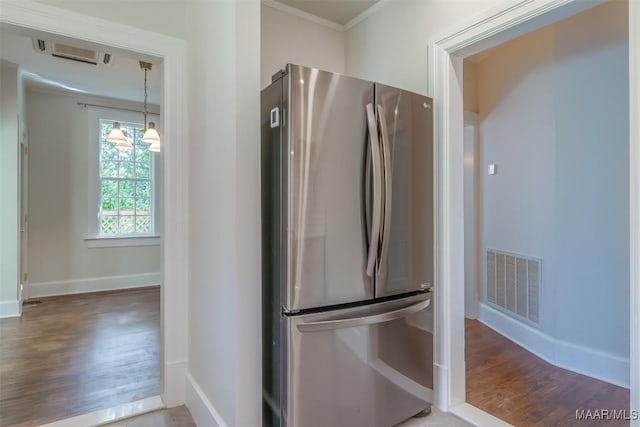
447,59
552,215
88,337
67,25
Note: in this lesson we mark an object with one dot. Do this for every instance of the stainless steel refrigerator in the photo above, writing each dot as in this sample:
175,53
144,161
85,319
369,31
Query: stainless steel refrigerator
347,176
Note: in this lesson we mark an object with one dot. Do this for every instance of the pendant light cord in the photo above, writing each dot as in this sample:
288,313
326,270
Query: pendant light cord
145,98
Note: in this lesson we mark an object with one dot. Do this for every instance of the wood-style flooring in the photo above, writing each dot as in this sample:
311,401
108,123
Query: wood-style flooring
512,384
75,354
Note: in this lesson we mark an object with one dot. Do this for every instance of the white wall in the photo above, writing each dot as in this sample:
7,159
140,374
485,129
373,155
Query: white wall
553,111
224,382
160,16
286,38
390,46
59,258
9,193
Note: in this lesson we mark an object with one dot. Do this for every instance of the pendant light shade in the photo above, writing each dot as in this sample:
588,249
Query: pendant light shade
151,135
125,143
155,146
116,135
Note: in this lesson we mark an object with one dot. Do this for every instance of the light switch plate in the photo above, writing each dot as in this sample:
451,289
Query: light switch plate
493,169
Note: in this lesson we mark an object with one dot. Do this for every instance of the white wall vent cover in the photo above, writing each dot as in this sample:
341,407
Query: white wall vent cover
74,53
513,284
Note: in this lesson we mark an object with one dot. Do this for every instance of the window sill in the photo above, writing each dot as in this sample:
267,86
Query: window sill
119,242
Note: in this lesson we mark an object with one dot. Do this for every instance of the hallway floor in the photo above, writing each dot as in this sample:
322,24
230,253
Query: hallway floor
512,384
75,354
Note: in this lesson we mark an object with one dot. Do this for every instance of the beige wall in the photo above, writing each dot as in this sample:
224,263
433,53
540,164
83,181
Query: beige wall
391,45
9,169
285,38
160,16
469,86
58,198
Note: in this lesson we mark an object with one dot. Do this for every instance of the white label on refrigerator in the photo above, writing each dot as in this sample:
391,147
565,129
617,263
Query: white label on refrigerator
275,117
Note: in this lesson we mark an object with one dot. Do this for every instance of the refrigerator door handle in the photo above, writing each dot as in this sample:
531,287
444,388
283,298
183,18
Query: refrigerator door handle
388,187
352,322
374,232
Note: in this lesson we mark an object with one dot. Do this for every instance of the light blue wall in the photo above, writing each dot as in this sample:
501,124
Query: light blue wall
591,87
553,112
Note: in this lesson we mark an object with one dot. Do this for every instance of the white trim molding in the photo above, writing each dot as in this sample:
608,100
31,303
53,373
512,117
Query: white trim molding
171,52
9,309
634,201
174,373
505,22
120,242
91,284
365,14
583,360
113,414
477,417
202,410
325,22
302,14
495,26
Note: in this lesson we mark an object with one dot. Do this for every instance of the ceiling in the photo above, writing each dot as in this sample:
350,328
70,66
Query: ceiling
338,11
123,79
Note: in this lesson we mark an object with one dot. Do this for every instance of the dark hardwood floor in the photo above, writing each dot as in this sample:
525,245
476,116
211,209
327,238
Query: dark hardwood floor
512,384
75,354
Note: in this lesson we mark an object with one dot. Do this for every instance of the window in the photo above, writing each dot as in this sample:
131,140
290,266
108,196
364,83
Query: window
126,184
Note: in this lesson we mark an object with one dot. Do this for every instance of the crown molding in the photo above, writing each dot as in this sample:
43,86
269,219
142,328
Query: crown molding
325,22
304,15
365,14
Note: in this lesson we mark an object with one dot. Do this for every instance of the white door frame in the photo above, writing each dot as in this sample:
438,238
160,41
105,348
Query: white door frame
472,241
26,14
446,52
23,208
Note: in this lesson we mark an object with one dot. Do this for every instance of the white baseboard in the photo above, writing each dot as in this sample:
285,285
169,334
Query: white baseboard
202,411
477,417
577,358
93,284
174,383
113,414
9,309
441,387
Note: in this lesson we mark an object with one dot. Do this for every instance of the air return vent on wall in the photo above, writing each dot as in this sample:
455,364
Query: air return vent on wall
73,53
513,284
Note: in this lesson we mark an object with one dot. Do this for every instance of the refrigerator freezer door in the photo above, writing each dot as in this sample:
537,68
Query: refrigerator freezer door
407,248
326,230
366,366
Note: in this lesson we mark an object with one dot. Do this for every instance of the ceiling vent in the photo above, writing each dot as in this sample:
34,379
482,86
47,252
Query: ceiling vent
72,53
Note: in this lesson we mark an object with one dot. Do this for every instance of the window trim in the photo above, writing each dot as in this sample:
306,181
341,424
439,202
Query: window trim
95,114
120,242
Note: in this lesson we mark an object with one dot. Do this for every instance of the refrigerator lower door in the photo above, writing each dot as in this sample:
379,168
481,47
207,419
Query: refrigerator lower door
365,366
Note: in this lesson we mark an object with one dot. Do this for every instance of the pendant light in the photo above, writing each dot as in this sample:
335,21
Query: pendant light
119,137
126,143
151,135
116,133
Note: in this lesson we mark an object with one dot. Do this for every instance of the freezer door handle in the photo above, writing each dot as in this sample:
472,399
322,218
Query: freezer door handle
352,322
374,232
